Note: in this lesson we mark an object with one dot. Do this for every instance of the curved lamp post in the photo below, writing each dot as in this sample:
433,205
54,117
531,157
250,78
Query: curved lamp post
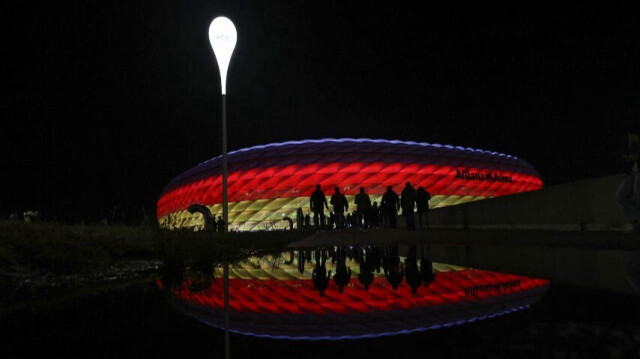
223,38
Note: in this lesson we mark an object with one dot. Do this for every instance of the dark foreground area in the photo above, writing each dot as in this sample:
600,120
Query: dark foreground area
138,322
90,292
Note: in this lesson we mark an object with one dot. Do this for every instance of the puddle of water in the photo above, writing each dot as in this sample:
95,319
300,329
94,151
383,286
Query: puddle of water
345,292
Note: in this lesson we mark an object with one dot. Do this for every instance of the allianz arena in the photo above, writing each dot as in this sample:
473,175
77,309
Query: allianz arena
269,182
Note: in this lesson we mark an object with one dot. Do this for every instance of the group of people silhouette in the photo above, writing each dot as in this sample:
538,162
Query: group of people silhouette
368,214
370,259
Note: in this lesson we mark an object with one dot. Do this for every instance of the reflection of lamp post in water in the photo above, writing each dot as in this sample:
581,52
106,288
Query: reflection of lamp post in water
223,38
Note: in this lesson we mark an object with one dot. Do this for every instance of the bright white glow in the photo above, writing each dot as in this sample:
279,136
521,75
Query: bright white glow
223,38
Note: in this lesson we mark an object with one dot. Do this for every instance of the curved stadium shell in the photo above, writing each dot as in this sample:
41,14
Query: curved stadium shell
271,181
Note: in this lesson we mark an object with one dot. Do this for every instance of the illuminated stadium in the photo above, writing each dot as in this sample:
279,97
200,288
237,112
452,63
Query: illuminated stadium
269,182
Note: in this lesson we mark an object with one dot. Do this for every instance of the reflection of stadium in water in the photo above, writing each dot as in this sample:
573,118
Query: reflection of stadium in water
349,293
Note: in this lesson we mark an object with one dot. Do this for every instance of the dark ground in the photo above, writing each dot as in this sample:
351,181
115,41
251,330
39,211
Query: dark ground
568,323
134,319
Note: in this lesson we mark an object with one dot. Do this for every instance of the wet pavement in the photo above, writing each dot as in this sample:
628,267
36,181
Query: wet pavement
567,323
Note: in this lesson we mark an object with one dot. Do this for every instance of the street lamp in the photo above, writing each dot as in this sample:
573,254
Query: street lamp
223,38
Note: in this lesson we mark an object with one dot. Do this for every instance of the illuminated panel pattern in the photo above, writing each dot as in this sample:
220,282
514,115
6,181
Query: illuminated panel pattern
267,182
284,304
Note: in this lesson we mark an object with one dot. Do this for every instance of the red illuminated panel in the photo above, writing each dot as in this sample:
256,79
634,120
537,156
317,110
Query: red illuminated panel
208,191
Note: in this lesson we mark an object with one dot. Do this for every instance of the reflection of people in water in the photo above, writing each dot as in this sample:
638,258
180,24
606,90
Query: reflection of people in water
291,258
301,260
320,276
426,267
414,279
365,277
343,274
392,269
374,258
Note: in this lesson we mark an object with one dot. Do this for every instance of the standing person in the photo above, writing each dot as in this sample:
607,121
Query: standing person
220,224
408,202
628,194
214,224
340,205
374,215
363,209
299,218
317,202
390,205
422,202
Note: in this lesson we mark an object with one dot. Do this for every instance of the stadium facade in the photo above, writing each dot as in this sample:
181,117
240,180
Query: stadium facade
269,182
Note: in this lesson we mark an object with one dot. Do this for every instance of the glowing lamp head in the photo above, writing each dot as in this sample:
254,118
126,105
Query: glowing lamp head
223,38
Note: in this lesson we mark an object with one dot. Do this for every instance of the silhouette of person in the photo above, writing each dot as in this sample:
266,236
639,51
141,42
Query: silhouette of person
426,268
318,202
413,277
374,257
363,208
422,203
393,270
299,218
408,202
343,273
628,194
375,215
220,224
307,220
214,225
340,205
390,204
365,277
320,276
301,260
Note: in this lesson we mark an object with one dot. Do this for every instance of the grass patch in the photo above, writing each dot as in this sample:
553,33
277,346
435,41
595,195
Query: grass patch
39,262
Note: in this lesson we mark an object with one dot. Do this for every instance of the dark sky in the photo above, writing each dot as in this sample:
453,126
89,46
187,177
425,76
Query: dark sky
105,102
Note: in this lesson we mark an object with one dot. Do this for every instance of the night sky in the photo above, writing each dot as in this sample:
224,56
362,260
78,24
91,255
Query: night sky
105,102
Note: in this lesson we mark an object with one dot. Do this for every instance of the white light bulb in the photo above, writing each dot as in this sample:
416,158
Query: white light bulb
223,38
